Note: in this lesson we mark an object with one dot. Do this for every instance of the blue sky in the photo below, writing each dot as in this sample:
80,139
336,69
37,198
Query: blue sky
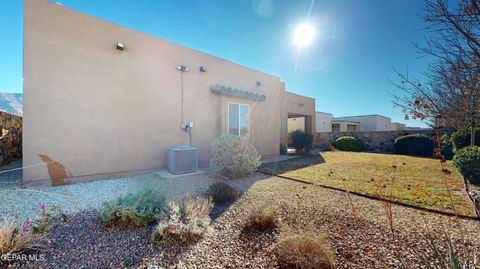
347,68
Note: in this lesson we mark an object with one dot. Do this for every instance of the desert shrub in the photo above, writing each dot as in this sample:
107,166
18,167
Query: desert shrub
467,161
138,208
15,237
461,138
447,150
233,156
18,237
47,219
221,192
283,149
348,143
187,220
414,145
261,219
300,251
302,141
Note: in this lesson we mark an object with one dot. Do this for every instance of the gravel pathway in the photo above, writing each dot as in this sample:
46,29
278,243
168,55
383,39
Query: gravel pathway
359,237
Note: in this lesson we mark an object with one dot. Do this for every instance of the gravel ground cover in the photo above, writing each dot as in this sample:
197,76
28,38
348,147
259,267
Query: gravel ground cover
23,202
360,237
11,175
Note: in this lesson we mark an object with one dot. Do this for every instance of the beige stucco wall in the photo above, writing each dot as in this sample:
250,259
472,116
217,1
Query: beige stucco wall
396,126
295,124
297,105
369,123
323,122
98,110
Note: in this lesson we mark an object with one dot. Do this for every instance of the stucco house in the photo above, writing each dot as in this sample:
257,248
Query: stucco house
361,123
323,122
397,126
102,100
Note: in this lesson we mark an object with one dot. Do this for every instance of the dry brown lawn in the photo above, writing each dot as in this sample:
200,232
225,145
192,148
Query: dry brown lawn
410,180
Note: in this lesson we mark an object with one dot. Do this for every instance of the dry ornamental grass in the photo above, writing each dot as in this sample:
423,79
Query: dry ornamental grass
306,252
261,219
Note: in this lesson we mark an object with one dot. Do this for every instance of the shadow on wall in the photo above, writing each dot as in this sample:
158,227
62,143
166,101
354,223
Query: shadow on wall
56,170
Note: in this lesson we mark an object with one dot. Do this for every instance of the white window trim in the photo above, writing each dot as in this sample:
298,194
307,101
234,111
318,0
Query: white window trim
249,117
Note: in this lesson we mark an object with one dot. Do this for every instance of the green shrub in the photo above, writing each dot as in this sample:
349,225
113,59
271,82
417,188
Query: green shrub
348,143
447,150
461,138
47,219
283,149
128,261
467,161
302,142
187,220
414,145
261,219
233,156
138,208
221,192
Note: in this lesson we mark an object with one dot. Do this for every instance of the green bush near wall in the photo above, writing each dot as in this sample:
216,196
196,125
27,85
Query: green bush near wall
467,161
348,143
461,138
414,145
283,149
447,150
302,141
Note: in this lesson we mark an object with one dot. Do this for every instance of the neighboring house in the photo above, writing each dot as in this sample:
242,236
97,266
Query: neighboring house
103,99
340,125
323,122
396,126
366,123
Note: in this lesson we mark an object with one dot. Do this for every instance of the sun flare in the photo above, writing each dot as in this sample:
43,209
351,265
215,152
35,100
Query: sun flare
304,35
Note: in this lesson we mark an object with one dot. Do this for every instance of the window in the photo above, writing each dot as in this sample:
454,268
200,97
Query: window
239,119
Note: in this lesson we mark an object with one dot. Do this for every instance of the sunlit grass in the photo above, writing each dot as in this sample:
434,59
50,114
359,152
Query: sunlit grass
417,181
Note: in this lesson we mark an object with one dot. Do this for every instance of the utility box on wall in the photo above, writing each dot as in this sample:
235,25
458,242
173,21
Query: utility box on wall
182,159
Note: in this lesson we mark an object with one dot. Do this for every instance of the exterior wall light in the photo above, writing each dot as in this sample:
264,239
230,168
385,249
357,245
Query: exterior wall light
182,68
120,46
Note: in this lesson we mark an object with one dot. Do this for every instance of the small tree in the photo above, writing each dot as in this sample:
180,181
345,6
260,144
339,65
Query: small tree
451,95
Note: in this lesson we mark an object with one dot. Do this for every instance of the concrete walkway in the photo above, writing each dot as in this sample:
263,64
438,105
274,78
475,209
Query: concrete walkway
279,158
